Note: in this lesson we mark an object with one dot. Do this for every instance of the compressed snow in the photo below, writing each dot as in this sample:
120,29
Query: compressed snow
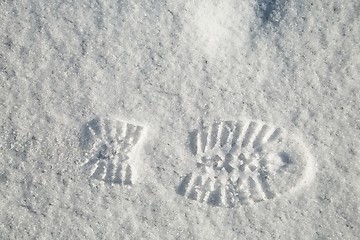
173,68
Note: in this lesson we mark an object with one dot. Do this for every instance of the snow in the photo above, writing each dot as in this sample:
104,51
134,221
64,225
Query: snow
176,68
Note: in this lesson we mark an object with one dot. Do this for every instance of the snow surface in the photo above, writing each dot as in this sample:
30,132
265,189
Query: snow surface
175,67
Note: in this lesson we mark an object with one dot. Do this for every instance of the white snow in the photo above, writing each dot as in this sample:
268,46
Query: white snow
176,68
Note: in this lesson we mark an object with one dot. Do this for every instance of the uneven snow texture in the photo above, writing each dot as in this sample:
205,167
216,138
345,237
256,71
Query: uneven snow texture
173,67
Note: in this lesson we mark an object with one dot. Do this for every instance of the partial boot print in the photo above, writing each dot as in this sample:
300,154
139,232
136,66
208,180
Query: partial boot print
244,162
110,147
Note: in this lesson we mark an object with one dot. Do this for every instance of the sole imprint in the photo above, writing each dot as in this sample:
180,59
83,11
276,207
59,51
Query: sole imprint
244,162
110,150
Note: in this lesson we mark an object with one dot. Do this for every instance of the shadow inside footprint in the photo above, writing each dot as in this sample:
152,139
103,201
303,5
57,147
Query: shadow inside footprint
87,131
192,141
285,158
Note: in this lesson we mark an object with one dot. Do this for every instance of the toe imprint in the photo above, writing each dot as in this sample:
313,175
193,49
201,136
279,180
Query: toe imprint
244,162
